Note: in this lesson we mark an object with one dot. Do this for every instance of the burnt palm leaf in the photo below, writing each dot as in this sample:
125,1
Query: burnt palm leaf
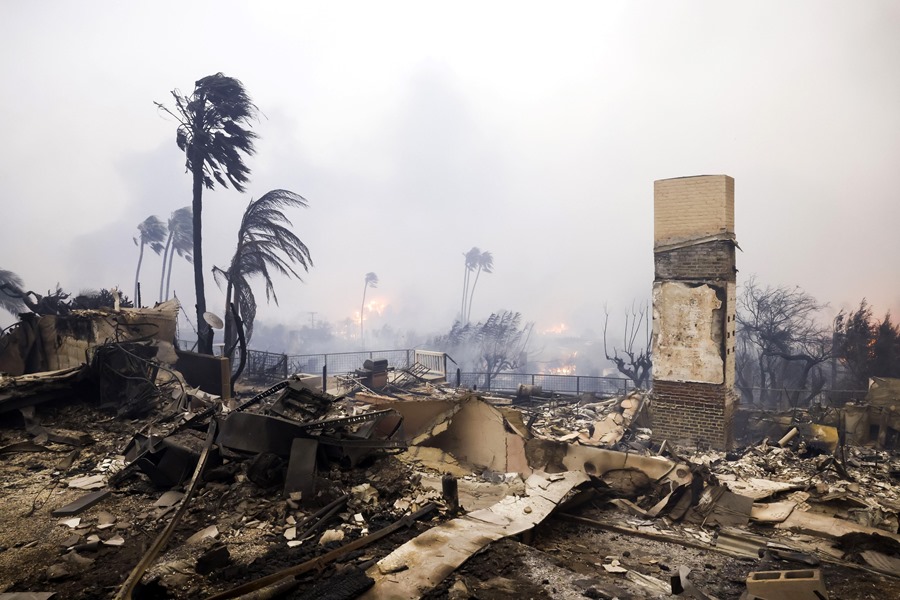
266,247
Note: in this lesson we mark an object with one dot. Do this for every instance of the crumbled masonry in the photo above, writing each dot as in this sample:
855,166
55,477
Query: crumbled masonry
122,480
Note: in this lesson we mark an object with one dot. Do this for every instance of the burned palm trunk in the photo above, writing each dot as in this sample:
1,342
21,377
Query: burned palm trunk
694,310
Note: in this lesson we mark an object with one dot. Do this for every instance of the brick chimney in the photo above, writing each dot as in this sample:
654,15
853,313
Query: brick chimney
694,310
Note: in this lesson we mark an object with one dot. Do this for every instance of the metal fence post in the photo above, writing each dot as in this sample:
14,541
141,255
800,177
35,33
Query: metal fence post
578,385
324,377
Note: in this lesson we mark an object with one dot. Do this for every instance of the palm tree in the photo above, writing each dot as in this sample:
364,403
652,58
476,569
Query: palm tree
472,257
371,281
151,231
265,246
11,292
486,264
180,240
212,135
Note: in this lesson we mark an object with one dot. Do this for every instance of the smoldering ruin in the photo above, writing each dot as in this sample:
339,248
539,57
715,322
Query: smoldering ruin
133,468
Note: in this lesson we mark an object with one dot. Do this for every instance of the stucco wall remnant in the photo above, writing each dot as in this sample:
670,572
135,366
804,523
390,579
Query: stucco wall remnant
687,325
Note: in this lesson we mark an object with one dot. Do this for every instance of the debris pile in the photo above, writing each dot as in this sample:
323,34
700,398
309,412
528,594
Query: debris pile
121,478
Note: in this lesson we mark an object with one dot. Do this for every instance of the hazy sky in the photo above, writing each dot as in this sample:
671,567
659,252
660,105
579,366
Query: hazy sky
418,130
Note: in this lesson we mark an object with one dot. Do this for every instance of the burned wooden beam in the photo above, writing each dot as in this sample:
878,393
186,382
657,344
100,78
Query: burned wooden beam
321,561
134,578
82,504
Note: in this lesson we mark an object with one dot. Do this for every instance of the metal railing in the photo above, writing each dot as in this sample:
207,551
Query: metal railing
270,366
347,362
556,384
784,399
435,362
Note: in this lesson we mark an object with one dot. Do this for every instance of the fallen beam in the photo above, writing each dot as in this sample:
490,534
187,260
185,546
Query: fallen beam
82,504
160,542
321,561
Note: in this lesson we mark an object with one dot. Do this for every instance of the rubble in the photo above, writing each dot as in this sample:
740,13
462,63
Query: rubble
418,490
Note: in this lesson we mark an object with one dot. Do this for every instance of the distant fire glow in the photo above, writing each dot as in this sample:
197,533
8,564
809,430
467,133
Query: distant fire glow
557,329
567,368
376,306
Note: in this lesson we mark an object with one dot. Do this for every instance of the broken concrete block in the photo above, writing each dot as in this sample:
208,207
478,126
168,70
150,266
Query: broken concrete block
365,493
614,567
116,540
91,482
105,520
57,572
786,585
332,535
170,498
204,534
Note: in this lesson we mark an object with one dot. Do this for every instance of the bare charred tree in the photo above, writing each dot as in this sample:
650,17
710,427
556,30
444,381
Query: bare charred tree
779,329
633,359
213,134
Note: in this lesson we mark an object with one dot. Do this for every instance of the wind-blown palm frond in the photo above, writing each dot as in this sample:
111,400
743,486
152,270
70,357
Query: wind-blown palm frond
266,247
152,232
10,284
472,257
485,262
180,240
213,132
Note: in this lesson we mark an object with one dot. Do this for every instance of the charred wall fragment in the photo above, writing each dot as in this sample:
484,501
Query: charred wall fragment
694,301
